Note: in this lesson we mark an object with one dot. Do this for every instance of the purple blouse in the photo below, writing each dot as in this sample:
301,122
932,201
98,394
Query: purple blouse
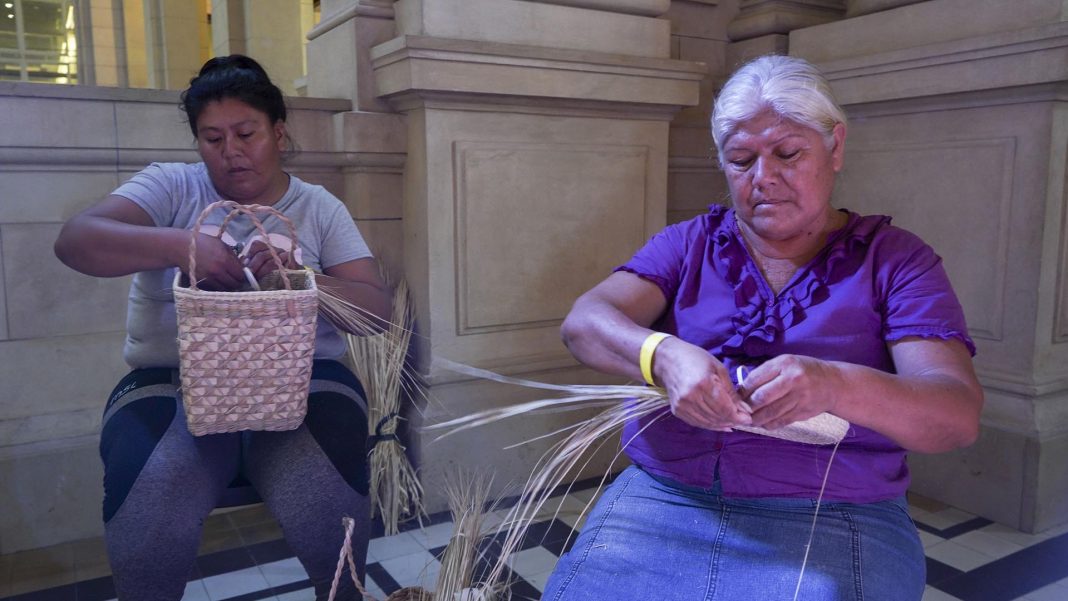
873,283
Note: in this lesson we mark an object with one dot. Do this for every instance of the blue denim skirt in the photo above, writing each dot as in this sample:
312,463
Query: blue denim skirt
651,538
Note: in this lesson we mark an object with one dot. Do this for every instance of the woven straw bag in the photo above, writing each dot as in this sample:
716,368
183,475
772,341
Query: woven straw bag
246,357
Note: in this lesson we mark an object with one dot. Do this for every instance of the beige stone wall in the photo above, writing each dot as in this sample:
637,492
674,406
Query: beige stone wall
61,334
502,155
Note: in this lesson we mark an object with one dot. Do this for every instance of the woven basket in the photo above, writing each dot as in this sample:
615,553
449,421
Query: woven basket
246,357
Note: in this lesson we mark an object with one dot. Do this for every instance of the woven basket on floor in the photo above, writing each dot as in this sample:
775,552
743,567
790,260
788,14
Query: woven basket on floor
246,357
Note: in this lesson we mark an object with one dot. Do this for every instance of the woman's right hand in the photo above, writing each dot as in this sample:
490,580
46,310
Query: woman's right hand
217,266
699,388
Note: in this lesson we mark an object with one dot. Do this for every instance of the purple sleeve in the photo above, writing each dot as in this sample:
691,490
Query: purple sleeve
661,259
917,295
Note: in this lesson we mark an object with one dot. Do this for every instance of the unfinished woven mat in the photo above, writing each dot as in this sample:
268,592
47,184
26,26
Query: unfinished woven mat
246,357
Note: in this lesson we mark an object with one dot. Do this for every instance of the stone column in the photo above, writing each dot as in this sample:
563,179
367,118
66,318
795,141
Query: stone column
133,15
270,31
177,29
699,33
960,132
228,27
108,58
339,51
762,26
537,141
273,36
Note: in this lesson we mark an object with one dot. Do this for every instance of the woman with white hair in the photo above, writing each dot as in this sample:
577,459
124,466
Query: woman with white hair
827,311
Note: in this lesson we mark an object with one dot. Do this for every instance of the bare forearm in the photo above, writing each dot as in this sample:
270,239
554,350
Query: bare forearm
929,413
605,340
104,247
607,325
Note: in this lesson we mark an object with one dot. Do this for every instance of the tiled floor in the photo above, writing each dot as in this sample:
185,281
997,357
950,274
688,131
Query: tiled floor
243,558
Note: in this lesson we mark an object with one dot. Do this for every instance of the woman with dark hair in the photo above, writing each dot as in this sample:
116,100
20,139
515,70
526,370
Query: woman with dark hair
829,312
160,481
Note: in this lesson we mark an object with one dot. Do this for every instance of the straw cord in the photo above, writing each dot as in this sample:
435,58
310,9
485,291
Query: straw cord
346,555
812,531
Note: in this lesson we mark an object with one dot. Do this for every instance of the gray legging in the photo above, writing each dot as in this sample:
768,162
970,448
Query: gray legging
160,481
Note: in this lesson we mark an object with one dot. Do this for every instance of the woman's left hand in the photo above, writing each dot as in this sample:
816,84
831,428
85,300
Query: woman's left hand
260,262
791,388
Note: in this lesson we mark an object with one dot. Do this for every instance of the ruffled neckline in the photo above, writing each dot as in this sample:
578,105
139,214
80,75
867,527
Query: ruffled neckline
762,316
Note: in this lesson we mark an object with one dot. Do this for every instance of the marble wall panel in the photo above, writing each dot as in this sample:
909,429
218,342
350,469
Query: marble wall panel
51,196
691,140
1060,326
919,24
47,427
51,376
527,223
963,187
1051,494
693,189
987,479
652,8
152,125
467,227
311,130
47,298
339,60
374,195
56,123
360,131
3,292
50,497
534,24
702,19
385,237
856,8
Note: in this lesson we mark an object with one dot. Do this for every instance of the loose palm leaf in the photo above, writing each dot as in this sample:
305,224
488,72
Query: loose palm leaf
565,459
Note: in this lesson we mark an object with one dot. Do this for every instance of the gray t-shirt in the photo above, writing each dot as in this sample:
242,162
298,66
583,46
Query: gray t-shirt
174,195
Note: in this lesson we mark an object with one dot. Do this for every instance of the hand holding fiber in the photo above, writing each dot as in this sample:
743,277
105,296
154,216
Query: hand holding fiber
699,389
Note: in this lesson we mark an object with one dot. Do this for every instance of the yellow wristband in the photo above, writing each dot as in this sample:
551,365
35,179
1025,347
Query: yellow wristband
645,357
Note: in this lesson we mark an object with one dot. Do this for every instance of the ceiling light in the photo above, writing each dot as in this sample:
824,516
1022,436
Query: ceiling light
9,5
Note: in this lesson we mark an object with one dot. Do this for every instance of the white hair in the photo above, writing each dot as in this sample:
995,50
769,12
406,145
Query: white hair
790,87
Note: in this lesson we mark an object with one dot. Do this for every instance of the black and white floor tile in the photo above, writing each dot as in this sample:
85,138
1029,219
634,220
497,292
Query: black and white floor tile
968,558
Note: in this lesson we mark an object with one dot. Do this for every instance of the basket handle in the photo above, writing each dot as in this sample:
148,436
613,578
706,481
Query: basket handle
235,210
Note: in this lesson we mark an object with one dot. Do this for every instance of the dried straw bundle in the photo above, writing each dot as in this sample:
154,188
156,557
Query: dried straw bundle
380,361
347,317
468,495
565,457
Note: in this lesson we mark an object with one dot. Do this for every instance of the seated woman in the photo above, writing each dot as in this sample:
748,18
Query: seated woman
160,481
828,311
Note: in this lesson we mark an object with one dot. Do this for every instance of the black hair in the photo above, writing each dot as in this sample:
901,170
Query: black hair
235,76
